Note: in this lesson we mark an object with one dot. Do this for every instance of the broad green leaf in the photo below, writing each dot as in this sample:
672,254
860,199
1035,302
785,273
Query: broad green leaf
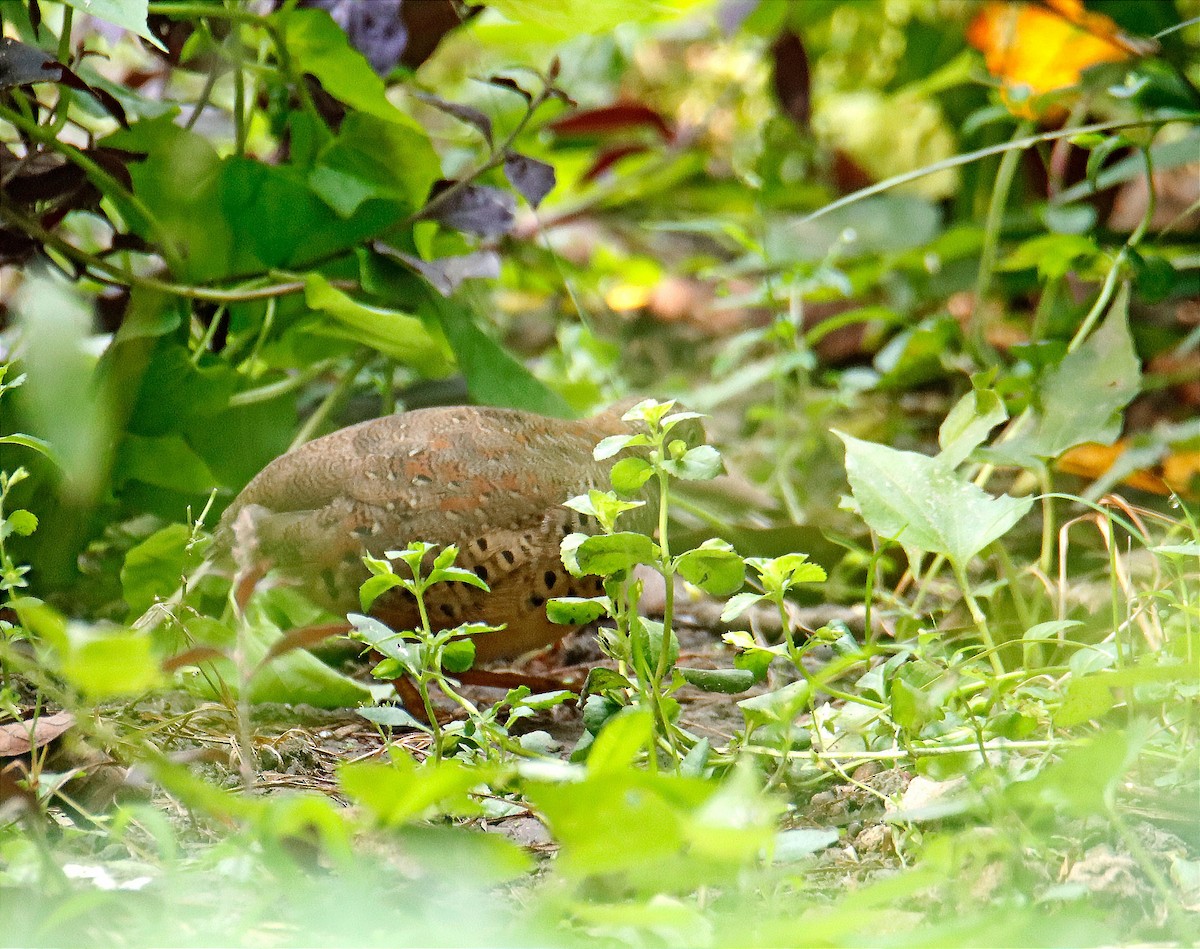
629,474
457,575
180,182
281,222
20,522
622,740
1054,255
294,677
403,337
391,716
697,464
153,569
1084,782
375,159
1092,696
107,666
607,554
317,45
778,707
166,461
738,604
402,791
714,567
920,502
576,610
613,444
494,376
458,655
564,18
39,445
127,14
801,842
584,818
968,425
1048,630
375,586
1081,399
726,681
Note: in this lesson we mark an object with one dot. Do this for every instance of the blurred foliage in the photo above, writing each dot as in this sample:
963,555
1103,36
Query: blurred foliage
931,266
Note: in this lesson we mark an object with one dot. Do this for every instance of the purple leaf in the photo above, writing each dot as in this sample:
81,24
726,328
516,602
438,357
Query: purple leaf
476,209
375,29
511,85
532,178
793,83
447,273
21,65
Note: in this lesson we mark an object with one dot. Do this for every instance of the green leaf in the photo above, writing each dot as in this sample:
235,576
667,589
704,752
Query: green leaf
577,610
21,522
398,335
623,739
281,222
629,474
375,586
402,791
166,461
153,569
782,574
317,45
373,159
107,666
294,677
778,707
494,376
614,444
738,605
1054,255
1081,399
968,425
1092,696
1083,783
564,18
801,842
920,502
457,575
458,655
605,506
391,716
127,14
39,445
180,179
608,554
697,464
598,709
725,681
714,567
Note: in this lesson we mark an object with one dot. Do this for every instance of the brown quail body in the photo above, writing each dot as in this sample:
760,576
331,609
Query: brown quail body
491,481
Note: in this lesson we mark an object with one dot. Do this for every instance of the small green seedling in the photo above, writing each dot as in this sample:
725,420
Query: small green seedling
671,446
426,656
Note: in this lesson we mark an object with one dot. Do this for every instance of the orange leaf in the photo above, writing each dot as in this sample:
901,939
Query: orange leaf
1177,473
1036,48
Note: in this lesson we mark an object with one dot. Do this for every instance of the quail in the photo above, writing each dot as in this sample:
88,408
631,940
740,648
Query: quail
490,481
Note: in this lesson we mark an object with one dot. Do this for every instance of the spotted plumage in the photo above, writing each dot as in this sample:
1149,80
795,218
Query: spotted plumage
491,481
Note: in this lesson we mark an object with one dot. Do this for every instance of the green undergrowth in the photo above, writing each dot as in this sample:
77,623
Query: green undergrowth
898,679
